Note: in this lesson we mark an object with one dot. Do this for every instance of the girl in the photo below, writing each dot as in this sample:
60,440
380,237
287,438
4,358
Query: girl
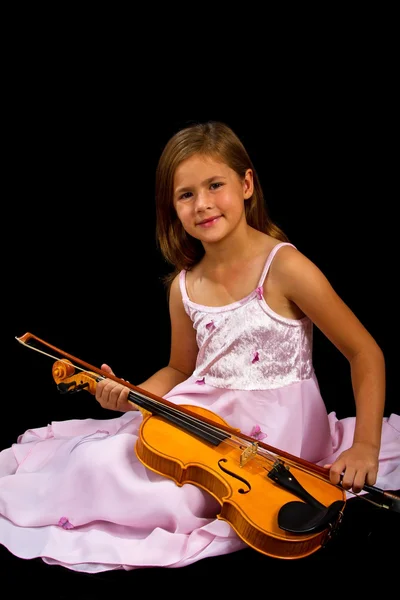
243,301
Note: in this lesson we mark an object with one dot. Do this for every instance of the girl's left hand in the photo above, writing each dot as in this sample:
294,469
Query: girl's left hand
355,467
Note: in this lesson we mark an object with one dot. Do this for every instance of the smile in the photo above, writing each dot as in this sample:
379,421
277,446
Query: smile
208,222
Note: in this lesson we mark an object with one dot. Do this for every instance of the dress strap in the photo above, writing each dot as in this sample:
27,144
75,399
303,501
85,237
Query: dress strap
182,285
269,261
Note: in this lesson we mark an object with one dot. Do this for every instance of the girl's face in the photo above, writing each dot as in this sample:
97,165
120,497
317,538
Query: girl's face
209,197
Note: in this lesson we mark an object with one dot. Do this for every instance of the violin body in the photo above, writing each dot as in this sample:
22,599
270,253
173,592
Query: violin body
278,504
250,501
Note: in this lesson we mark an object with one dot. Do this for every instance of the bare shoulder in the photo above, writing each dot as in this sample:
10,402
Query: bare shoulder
176,307
303,284
300,280
183,337
291,266
291,275
174,290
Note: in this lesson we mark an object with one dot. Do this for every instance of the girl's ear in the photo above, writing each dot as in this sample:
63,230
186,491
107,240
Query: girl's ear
248,184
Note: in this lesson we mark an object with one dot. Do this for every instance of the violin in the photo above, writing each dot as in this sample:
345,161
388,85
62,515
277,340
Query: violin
278,504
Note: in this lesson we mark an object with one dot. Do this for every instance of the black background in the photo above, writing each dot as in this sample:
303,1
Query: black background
85,272
80,263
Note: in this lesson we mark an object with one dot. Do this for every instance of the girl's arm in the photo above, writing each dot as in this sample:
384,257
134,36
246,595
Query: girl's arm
304,284
183,354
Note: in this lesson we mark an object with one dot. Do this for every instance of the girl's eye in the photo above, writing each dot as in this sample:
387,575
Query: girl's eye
185,196
188,195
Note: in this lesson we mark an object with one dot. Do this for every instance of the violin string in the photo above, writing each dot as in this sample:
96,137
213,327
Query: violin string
198,424
237,441
161,406
240,442
194,420
261,451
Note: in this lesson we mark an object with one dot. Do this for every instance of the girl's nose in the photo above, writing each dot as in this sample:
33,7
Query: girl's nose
203,200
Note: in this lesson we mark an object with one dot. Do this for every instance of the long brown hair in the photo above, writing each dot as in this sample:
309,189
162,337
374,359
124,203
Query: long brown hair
216,140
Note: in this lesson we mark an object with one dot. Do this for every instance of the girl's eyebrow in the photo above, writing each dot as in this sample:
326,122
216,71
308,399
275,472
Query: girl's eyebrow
205,182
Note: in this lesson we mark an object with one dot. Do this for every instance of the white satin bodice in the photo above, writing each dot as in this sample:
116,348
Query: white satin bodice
246,345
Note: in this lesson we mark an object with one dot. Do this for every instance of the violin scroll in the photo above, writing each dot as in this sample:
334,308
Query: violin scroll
69,380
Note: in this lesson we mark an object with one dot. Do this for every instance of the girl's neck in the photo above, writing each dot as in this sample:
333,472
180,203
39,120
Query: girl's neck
239,247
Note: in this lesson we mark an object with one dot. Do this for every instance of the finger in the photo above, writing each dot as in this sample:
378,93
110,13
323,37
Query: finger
372,476
336,471
105,392
358,483
348,478
105,367
123,399
100,389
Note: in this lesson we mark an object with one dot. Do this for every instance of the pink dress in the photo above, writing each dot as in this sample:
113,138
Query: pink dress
75,494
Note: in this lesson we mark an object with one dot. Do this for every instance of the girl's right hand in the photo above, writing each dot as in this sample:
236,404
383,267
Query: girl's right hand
112,395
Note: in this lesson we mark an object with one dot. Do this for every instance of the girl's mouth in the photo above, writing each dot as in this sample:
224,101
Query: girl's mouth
208,222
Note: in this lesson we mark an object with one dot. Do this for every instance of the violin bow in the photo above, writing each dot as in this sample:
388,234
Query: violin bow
376,496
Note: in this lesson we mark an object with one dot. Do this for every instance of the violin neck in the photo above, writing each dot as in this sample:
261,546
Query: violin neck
192,424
